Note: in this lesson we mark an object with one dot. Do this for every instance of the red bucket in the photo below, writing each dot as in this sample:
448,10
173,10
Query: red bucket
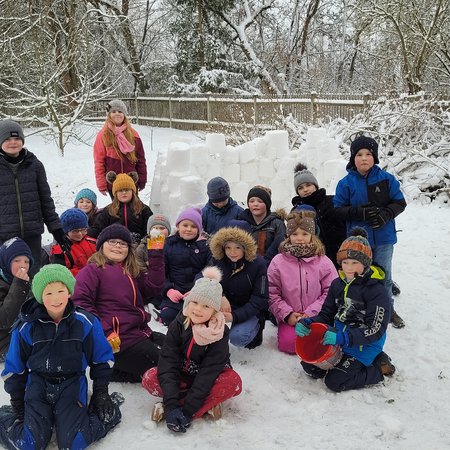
311,350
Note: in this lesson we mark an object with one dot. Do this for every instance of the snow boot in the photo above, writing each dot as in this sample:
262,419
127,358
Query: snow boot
117,398
396,320
395,289
158,412
384,364
215,413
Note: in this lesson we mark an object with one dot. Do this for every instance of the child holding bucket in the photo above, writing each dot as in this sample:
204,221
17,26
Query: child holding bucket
357,311
299,277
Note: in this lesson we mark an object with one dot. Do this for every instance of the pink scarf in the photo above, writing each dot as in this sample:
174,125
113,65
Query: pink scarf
124,146
213,332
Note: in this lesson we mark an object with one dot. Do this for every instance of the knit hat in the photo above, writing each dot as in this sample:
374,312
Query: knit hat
302,219
303,175
73,219
117,105
356,246
218,189
192,214
122,181
11,249
206,290
51,273
363,142
8,129
263,193
158,219
114,231
86,193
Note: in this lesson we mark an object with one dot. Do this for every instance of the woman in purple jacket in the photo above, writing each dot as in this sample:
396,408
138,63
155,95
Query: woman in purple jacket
113,287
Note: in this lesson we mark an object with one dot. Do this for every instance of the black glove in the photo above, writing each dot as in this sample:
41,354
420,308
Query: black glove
101,403
177,421
361,212
65,243
380,217
18,407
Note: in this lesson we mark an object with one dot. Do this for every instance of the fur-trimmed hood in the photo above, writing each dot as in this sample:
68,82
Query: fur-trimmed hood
232,234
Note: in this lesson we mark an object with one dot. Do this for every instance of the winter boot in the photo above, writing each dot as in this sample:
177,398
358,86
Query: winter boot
158,412
395,288
396,320
384,363
117,398
215,413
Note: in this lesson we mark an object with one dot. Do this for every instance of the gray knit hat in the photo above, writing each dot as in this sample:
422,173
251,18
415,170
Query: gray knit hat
117,105
158,219
218,189
206,290
304,176
9,129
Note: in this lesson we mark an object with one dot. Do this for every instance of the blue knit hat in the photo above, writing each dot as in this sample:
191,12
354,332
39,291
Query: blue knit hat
73,219
218,189
11,249
86,193
114,231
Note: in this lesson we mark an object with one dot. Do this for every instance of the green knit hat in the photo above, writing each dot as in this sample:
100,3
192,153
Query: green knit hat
51,273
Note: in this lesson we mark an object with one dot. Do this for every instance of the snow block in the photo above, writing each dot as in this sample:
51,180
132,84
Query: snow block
249,172
215,142
232,173
192,190
240,191
247,152
231,155
278,140
178,157
265,168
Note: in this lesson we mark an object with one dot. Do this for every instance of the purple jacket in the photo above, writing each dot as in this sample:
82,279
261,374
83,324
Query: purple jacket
117,299
298,285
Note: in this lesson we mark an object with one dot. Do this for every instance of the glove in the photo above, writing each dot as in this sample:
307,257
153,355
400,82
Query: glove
302,328
333,337
114,341
174,295
101,403
18,407
177,421
65,243
380,218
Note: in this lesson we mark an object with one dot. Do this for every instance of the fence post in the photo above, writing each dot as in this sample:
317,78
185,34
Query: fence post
208,110
313,107
366,99
136,108
170,112
255,104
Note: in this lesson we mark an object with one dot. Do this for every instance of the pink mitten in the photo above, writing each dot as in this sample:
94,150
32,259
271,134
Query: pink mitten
174,295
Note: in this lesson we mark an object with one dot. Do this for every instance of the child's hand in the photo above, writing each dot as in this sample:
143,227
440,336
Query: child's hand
174,295
228,317
114,342
333,337
302,328
293,318
22,274
225,306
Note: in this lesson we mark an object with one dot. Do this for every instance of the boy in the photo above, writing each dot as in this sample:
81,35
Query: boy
371,198
221,208
25,195
45,370
357,311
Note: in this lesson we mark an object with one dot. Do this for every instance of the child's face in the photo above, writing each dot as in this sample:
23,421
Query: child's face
364,161
306,189
234,251
187,230
21,263
12,146
257,207
300,236
220,204
55,297
116,250
124,195
77,235
161,228
351,268
85,205
117,117
198,312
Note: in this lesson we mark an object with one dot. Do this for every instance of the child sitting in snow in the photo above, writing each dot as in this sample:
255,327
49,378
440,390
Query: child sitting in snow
45,370
194,375
357,311
86,200
299,277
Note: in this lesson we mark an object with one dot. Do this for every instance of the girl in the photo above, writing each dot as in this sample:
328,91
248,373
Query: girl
244,285
118,148
86,200
299,277
185,255
112,287
126,208
194,375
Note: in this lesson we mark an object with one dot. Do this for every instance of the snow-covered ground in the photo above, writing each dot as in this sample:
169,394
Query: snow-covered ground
280,407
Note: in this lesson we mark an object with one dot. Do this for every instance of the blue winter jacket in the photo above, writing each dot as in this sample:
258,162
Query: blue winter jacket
215,218
379,188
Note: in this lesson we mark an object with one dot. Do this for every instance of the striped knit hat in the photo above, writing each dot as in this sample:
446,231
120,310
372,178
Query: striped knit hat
356,246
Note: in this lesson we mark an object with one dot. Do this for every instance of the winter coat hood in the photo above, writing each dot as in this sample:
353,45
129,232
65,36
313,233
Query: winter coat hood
232,234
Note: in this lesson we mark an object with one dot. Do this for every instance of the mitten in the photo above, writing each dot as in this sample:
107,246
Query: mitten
156,240
18,407
302,328
333,337
114,342
380,218
101,403
65,243
177,421
174,295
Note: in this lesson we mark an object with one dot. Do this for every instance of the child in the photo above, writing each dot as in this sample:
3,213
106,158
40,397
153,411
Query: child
194,375
45,370
25,195
370,197
244,284
15,263
221,208
186,254
357,310
86,200
332,228
268,228
75,225
299,277
126,208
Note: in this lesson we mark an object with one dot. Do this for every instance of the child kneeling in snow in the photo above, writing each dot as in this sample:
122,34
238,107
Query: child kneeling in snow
45,370
194,375
357,311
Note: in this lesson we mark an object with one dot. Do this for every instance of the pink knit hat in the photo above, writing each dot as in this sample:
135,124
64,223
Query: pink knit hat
192,214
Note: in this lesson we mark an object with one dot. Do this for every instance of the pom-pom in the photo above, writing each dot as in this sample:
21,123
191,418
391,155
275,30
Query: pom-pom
213,273
359,231
299,167
155,233
111,177
134,176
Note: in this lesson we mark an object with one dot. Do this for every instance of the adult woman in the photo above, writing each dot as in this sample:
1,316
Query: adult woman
113,287
118,148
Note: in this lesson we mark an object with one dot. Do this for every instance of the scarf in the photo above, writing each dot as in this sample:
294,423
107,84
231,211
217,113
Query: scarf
300,250
213,332
124,146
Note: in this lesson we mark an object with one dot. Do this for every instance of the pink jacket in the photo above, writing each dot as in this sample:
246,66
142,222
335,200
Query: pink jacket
298,285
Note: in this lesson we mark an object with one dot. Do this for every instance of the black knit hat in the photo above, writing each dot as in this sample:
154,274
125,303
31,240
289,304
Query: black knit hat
218,189
261,193
9,250
363,142
114,231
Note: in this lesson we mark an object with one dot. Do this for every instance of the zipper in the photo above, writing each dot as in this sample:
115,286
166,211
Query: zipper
19,206
135,298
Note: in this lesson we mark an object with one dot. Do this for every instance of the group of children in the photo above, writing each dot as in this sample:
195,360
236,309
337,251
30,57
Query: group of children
211,282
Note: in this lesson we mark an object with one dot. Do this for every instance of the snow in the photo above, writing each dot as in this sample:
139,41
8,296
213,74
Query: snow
280,407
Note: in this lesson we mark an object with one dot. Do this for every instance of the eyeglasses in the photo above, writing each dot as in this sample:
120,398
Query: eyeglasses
117,243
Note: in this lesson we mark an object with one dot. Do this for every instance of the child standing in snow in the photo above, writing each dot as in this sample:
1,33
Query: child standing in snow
299,277
194,375
45,370
357,311
86,200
